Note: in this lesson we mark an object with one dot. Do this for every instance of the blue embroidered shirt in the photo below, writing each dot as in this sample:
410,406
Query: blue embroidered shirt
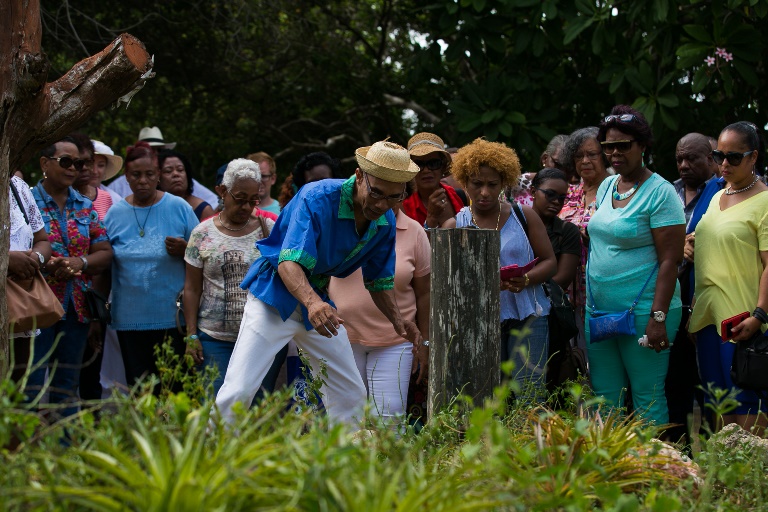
317,231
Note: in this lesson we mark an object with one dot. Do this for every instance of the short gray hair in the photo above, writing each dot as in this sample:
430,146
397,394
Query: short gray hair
574,142
240,169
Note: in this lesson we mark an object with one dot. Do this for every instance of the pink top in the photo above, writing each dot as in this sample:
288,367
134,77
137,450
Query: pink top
364,322
102,203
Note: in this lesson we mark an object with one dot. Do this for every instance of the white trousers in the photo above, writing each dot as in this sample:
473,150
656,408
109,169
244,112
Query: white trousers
262,334
386,372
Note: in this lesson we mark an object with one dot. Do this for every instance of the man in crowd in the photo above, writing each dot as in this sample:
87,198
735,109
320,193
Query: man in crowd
331,228
268,178
697,173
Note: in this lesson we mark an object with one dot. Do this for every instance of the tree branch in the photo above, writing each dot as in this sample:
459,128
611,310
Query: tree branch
396,101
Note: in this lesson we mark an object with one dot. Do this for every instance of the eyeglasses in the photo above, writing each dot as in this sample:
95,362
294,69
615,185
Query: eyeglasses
377,196
622,146
552,196
592,155
734,158
624,118
242,201
66,162
433,164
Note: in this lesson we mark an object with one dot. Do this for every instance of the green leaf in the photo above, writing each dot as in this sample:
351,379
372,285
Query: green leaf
505,129
515,117
635,79
668,119
523,39
575,28
492,133
539,44
597,41
668,100
693,49
747,72
699,33
700,80
479,5
468,124
661,8
585,7
616,82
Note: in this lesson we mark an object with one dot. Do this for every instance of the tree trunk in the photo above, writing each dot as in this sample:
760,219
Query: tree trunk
35,114
465,349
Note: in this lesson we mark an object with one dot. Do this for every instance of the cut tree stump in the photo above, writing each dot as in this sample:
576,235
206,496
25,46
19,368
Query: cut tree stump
465,344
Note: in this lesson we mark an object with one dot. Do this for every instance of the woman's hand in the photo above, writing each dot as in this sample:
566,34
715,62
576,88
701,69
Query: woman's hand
439,208
64,268
420,362
175,246
22,264
657,335
746,329
514,285
194,349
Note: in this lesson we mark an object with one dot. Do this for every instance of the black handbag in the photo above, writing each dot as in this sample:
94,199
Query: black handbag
99,306
562,316
749,369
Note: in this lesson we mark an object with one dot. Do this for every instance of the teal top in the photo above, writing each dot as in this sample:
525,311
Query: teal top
622,254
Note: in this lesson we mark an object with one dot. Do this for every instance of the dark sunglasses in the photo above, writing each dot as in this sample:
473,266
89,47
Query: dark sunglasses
622,146
242,201
66,162
733,157
552,196
624,118
433,164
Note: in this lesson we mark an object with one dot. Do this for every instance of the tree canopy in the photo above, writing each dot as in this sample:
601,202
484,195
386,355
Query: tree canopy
293,77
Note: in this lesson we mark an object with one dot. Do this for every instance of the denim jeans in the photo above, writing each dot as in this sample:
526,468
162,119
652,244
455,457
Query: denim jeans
217,353
526,342
64,363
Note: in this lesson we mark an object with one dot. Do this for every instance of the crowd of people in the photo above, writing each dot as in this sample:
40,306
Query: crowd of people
341,267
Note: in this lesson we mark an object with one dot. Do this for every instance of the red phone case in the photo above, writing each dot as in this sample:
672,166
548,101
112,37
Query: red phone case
726,327
511,271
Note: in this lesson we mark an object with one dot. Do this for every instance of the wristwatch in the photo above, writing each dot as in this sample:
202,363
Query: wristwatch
659,316
425,343
40,258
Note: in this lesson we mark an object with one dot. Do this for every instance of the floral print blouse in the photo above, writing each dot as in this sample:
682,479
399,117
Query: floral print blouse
71,233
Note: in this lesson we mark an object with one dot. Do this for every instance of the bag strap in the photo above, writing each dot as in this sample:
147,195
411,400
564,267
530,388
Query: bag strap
521,217
18,201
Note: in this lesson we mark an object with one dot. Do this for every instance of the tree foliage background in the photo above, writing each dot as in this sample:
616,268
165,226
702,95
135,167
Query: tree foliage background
292,77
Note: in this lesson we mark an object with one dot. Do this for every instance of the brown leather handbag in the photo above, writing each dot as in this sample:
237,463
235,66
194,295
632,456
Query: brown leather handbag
31,304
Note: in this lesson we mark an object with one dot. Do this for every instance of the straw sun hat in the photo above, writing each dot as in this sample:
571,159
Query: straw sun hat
388,161
114,162
425,143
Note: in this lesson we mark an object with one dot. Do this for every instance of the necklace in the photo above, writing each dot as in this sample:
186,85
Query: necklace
141,227
729,191
625,195
221,221
478,225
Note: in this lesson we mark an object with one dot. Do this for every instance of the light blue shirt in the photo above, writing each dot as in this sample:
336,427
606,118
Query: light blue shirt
622,253
145,278
515,250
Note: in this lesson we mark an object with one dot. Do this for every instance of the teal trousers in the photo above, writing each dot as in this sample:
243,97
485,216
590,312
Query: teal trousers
618,362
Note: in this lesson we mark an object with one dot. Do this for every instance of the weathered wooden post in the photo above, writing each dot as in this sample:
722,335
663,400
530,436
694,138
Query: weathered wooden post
465,345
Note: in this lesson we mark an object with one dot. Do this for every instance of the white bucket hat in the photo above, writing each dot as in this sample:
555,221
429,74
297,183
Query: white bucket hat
114,162
154,137
388,161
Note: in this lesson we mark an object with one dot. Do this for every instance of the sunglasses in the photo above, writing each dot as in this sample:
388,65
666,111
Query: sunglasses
624,118
378,196
622,146
242,201
432,164
733,157
552,196
66,162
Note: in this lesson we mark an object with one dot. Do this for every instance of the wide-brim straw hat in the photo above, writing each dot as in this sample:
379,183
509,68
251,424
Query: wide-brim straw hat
154,137
114,162
387,161
425,143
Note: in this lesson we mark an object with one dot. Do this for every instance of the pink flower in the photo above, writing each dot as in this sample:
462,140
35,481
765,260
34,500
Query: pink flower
710,61
720,52
728,57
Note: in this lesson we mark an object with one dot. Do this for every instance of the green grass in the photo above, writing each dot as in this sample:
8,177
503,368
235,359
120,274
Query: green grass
169,454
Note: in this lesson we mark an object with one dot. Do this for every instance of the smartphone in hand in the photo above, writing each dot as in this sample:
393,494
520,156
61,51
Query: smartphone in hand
511,271
727,325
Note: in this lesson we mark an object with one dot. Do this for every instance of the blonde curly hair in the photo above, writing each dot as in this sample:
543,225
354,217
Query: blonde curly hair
496,155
